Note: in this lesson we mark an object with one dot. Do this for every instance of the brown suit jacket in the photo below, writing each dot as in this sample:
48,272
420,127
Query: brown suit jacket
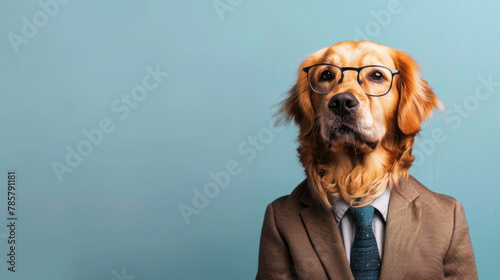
427,237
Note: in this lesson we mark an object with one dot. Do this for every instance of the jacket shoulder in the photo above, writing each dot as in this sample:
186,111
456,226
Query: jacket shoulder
431,198
289,203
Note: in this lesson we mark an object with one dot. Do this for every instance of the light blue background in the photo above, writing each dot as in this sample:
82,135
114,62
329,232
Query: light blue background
118,209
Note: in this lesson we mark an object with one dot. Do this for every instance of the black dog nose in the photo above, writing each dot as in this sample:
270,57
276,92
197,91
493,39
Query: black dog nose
343,104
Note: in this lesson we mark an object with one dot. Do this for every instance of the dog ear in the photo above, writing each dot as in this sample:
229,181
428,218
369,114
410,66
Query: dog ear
417,100
298,105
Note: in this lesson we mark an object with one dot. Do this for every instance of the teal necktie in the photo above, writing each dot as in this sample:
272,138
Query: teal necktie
365,259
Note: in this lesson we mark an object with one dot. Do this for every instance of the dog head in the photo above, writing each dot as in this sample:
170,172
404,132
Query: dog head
359,106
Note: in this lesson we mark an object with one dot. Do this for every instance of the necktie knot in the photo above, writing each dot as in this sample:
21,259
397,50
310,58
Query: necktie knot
363,216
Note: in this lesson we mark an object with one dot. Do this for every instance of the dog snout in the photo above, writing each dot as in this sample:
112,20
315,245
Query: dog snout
343,104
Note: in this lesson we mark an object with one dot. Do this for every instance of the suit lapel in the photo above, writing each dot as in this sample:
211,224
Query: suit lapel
325,237
402,229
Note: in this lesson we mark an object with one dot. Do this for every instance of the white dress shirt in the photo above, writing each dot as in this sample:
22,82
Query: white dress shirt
347,224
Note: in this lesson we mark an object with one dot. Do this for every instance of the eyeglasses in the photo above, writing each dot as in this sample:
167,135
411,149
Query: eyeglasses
374,79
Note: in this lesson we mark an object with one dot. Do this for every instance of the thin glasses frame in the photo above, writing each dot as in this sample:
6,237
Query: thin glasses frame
357,69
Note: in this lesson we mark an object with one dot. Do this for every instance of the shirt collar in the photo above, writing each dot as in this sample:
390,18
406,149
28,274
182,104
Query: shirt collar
381,203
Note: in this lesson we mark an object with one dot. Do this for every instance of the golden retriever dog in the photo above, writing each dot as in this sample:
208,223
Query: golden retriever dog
353,143
359,107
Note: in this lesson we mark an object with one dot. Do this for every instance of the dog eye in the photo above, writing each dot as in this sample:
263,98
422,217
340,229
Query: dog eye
326,76
377,76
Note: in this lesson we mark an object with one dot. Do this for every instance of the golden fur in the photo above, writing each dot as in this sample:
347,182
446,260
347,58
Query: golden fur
350,168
